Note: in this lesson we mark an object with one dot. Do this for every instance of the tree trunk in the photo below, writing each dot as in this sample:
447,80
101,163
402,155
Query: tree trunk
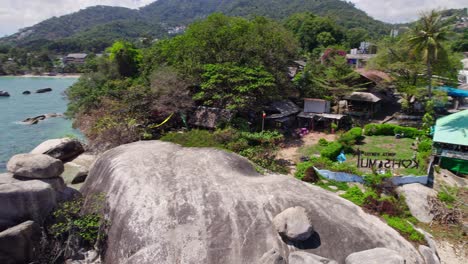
429,78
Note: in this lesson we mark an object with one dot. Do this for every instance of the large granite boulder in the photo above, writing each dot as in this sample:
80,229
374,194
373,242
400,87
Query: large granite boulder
17,243
272,257
35,166
294,224
416,198
429,256
376,256
25,200
169,204
301,257
63,149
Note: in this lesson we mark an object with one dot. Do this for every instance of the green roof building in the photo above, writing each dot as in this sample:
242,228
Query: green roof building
451,142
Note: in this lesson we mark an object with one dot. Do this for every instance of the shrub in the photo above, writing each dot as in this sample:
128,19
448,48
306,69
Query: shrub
379,130
408,132
355,195
301,169
391,130
193,138
311,175
345,167
425,145
323,142
352,137
331,151
404,228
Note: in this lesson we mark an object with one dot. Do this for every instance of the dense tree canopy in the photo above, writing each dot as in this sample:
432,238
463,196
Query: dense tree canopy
313,31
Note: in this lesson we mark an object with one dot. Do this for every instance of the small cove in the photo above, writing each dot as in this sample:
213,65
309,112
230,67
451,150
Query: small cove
16,137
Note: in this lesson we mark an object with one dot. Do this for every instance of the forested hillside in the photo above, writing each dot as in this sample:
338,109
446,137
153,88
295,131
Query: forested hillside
94,28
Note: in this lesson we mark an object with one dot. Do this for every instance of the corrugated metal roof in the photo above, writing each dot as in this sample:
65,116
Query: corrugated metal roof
77,55
452,129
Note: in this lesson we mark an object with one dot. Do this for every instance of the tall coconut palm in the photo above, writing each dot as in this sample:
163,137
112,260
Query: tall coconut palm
427,38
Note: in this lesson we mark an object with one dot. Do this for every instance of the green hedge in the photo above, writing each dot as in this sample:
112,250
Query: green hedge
331,151
391,130
352,137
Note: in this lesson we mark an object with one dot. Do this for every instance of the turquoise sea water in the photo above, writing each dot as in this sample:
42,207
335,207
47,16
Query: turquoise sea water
16,137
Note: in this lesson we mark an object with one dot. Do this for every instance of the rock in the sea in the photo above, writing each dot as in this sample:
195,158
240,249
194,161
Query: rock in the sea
429,256
35,166
272,257
376,256
301,257
416,198
294,224
63,148
26,92
34,120
4,94
17,243
168,204
27,200
44,90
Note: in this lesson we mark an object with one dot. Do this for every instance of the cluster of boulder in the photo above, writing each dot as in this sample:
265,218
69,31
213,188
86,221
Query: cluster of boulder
169,204
36,119
29,192
43,90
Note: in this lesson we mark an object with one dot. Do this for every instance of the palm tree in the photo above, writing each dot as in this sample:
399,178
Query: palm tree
427,38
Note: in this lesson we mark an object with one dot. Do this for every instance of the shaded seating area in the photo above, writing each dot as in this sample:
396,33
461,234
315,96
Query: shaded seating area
363,104
451,142
281,115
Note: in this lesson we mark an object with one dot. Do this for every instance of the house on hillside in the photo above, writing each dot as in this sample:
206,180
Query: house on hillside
316,115
362,104
281,115
451,142
75,58
209,117
359,57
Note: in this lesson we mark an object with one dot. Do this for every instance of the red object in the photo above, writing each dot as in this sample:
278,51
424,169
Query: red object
263,115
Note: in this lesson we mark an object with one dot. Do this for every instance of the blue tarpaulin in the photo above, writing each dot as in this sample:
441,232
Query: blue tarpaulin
454,92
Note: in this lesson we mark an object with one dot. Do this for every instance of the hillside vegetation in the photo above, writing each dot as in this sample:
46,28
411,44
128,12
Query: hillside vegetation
93,28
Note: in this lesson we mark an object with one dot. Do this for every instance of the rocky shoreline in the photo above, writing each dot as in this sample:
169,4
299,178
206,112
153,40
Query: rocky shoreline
35,184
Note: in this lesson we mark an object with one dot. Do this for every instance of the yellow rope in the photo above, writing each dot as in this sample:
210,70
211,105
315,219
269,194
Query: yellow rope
165,121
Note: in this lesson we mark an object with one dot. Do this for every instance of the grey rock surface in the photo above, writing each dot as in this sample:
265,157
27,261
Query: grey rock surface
416,198
169,204
300,257
429,256
57,183
272,257
294,224
63,148
17,243
36,166
25,200
376,256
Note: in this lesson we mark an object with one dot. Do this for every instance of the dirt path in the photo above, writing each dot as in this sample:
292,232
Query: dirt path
290,152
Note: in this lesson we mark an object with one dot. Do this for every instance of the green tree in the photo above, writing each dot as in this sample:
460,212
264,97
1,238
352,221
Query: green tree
355,36
330,78
313,31
127,58
235,87
427,38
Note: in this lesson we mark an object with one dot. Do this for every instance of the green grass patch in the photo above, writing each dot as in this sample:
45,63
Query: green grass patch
405,228
357,196
193,138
